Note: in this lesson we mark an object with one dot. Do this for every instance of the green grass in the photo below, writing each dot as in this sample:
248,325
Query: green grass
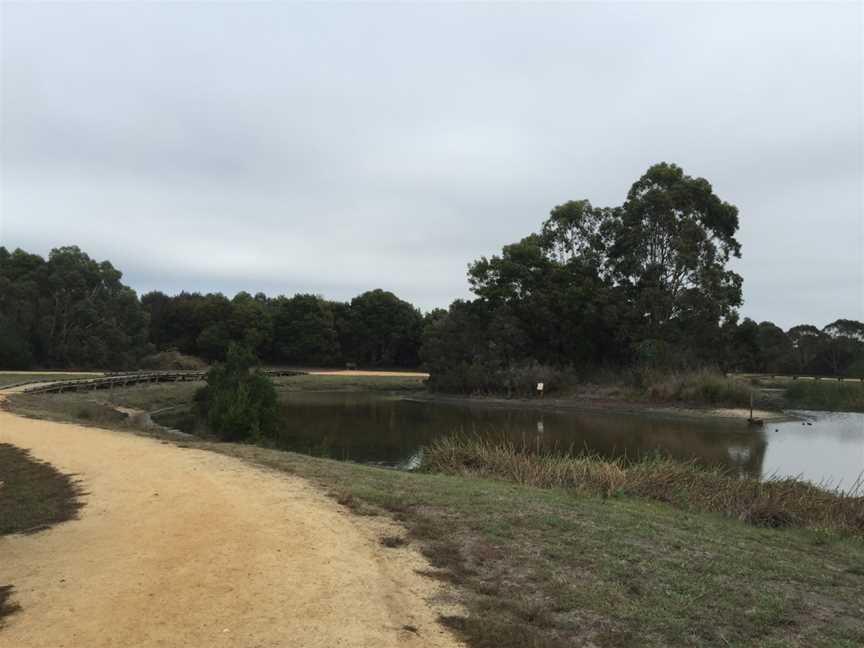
14,378
350,383
549,567
78,407
826,395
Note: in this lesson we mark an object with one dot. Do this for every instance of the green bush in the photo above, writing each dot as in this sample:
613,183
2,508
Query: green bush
515,381
239,402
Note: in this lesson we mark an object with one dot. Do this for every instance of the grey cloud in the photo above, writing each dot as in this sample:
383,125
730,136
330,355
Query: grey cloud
334,148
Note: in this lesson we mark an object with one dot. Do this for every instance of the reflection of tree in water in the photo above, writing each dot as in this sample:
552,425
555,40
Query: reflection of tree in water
371,428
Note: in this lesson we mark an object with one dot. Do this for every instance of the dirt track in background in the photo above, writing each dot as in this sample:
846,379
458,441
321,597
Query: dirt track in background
182,547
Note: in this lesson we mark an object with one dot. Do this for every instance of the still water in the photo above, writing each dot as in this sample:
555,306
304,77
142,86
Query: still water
390,430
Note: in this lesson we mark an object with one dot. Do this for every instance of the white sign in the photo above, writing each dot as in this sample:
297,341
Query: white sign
539,386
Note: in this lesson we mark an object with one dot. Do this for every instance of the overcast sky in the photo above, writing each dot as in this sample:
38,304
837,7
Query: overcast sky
337,148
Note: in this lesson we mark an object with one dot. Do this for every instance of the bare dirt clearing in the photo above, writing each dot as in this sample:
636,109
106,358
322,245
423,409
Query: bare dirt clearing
183,547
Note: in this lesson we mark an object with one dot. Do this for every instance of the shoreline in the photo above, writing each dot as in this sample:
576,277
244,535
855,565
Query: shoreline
609,406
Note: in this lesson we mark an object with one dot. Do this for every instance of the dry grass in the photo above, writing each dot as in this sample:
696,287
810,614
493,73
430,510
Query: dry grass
771,503
703,386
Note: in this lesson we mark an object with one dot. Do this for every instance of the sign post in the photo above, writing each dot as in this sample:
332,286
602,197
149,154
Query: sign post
540,389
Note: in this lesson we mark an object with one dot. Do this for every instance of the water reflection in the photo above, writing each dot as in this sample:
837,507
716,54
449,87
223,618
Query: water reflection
371,428
388,430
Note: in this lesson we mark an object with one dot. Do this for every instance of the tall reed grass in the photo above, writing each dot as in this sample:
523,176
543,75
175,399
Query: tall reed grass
707,386
686,485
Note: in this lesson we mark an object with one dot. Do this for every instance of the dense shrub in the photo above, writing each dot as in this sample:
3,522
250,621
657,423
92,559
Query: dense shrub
14,348
239,402
172,360
515,381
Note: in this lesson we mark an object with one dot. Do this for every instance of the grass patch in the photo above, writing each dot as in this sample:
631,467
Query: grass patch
768,503
33,495
72,407
350,383
826,395
553,567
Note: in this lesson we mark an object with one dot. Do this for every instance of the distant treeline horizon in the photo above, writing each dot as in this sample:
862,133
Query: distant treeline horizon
644,284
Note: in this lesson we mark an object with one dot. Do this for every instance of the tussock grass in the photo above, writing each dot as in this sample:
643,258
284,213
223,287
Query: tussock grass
702,386
826,395
767,503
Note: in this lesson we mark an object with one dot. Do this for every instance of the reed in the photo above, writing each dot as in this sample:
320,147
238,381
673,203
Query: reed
686,485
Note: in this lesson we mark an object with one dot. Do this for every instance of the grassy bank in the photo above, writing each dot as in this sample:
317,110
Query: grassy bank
551,567
351,383
826,395
771,503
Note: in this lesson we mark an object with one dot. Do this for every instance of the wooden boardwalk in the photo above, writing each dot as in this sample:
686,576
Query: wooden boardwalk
133,378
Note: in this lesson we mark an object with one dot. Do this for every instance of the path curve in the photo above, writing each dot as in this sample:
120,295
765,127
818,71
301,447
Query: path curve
182,547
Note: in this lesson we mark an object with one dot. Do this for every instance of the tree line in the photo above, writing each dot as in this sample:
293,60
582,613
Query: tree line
645,284
69,311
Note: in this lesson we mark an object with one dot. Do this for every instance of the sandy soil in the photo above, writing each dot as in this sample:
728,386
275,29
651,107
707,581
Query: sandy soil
181,547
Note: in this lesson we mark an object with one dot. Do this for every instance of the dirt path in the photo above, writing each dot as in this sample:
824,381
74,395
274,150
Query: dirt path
181,547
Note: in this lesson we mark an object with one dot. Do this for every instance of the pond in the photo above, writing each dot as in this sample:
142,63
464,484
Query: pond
376,428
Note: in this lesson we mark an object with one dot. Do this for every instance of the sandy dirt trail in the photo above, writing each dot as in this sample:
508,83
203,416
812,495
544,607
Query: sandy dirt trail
182,547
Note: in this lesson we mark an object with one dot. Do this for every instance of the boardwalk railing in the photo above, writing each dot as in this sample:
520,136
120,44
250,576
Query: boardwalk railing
136,378
779,376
